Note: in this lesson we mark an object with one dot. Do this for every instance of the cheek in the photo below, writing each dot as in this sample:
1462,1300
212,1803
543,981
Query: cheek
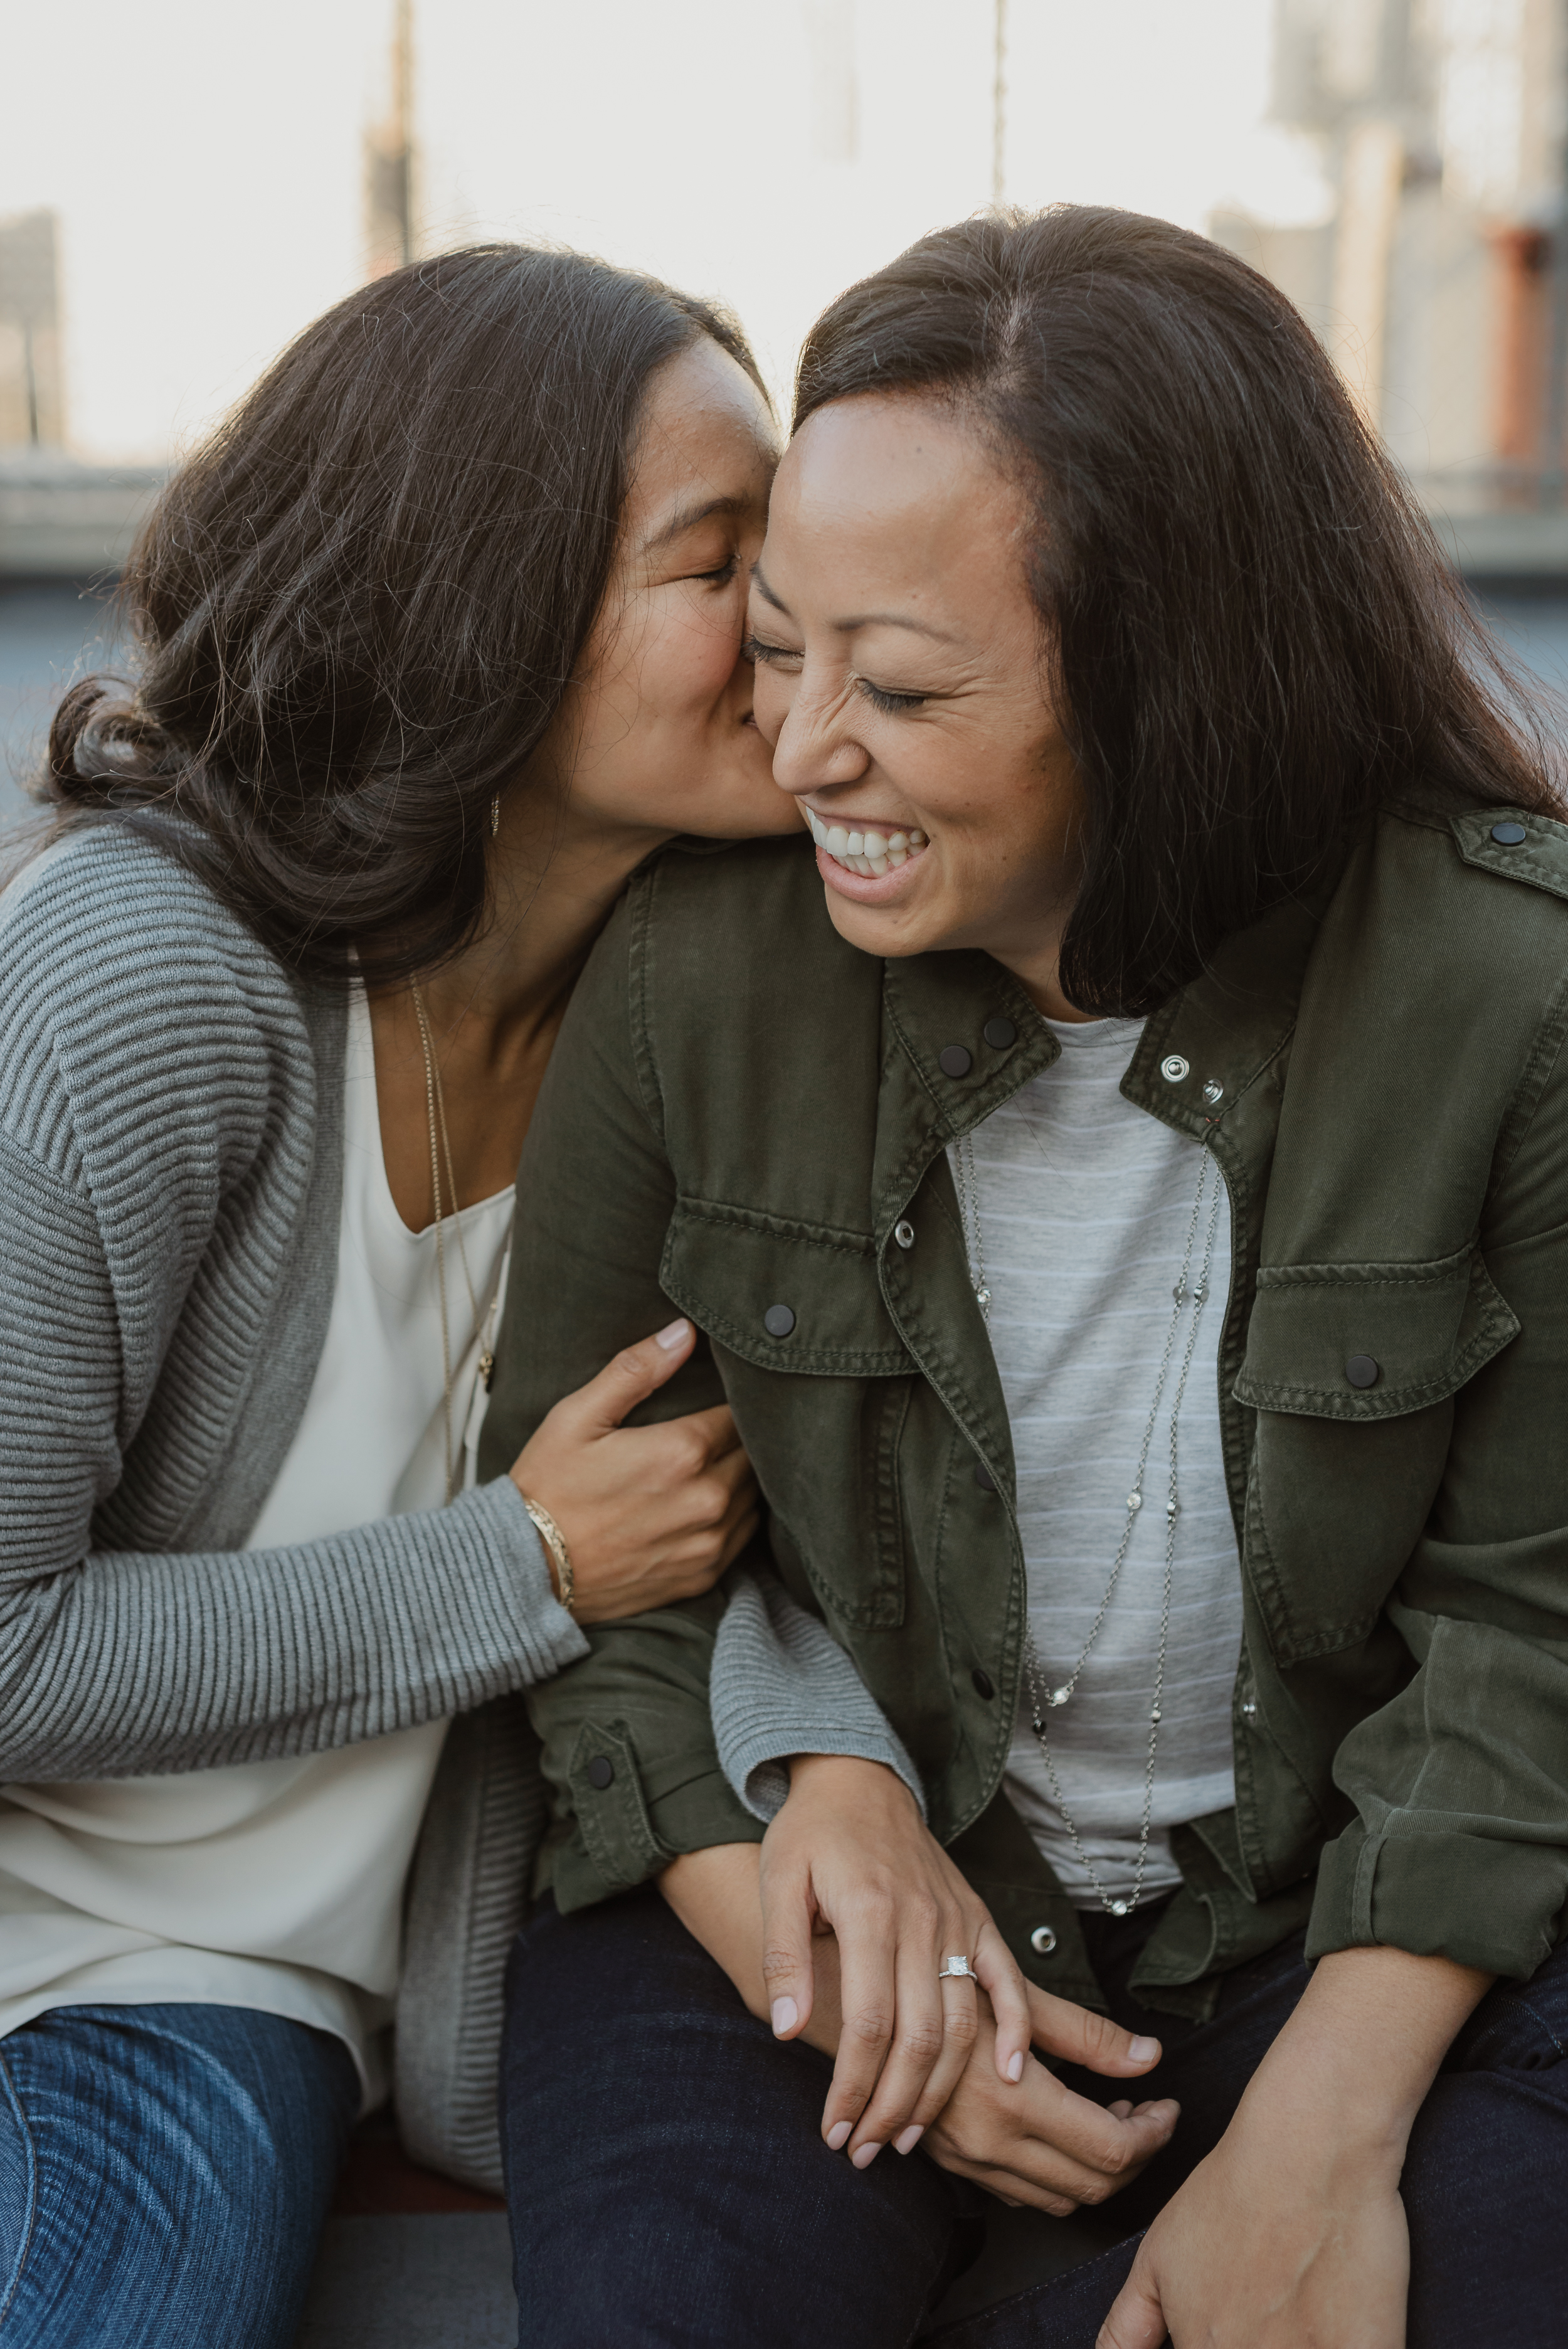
690,660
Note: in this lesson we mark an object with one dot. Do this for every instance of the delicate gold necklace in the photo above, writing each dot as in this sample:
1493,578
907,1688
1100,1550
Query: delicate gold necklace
435,1119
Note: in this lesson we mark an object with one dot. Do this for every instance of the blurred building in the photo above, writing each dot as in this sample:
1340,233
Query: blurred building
32,399
391,235
1440,282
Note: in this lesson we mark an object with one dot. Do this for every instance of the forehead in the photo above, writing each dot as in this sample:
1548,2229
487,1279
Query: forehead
893,483
706,433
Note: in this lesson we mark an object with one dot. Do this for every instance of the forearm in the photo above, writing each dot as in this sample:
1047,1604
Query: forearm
716,1896
1350,2069
279,1651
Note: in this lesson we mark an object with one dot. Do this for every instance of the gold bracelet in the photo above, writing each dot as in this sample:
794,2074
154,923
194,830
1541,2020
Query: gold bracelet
555,1542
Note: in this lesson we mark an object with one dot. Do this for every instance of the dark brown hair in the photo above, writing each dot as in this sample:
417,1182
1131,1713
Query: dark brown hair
357,609
1255,636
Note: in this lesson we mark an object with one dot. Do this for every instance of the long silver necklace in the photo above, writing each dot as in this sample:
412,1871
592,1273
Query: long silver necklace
1190,1297
484,1327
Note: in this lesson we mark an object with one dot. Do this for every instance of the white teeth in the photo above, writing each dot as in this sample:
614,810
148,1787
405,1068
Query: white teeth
864,852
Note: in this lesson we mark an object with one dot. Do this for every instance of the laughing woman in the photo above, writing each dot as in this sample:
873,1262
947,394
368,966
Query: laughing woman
1122,1188
439,638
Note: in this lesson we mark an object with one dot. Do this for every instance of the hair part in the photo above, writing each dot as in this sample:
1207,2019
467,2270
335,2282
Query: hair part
1256,636
356,610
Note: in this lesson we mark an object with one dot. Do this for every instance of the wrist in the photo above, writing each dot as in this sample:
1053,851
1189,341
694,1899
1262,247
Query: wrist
844,1773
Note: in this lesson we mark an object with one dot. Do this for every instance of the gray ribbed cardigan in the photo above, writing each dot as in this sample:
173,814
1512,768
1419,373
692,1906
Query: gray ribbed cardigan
170,1181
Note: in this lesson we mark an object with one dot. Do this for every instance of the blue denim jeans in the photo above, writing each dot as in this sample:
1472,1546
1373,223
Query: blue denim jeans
667,2182
164,2173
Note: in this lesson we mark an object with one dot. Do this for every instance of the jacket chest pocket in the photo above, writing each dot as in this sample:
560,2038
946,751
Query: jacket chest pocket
820,1382
1351,1371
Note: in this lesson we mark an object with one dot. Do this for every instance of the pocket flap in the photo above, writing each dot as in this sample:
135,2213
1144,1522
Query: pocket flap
783,1295
1363,1341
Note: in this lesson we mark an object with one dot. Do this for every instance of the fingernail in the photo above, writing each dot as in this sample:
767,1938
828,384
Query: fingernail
670,1339
910,2137
1016,2065
786,2015
1144,2051
838,2135
865,2155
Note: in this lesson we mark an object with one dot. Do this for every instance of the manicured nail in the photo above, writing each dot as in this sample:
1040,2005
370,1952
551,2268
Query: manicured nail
865,2155
906,2141
671,1337
786,2015
838,2135
1016,2065
1144,2051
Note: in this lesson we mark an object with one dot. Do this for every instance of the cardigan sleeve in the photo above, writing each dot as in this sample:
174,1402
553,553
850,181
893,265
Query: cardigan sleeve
781,1685
116,1661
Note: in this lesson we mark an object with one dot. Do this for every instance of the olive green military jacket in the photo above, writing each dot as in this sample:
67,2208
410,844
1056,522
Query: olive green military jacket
748,1119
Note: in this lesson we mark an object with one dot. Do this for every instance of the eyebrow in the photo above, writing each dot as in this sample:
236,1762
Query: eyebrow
688,517
861,619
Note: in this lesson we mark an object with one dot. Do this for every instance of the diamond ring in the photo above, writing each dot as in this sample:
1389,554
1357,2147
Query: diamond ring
959,1967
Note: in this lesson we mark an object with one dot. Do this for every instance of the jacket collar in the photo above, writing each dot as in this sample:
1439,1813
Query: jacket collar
1199,1055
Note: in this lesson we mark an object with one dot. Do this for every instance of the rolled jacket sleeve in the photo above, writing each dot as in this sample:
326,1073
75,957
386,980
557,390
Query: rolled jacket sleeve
1460,1843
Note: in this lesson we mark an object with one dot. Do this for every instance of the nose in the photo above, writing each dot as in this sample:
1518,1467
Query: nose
815,748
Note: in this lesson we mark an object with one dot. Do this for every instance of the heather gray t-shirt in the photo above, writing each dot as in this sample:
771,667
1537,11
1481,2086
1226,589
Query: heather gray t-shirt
1085,1204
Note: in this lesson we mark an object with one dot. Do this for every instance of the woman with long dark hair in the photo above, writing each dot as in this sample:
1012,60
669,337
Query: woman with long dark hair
436,638
1121,1187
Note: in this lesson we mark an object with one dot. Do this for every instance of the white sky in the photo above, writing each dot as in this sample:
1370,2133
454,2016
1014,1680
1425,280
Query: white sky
205,155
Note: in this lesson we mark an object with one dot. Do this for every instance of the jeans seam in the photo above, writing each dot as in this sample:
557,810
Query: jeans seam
12,2281
1541,2021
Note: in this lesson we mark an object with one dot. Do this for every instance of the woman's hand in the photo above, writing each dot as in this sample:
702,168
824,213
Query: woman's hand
1038,2142
849,1854
649,1514
1269,2244
1293,2230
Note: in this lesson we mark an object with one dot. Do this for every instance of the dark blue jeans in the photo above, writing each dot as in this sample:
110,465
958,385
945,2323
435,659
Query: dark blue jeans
667,2182
164,2173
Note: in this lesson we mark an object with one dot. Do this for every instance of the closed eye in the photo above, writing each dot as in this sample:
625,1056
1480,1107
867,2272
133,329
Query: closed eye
879,698
754,649
724,574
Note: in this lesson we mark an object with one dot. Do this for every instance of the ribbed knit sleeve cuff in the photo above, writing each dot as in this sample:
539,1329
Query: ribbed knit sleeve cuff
782,1685
550,1639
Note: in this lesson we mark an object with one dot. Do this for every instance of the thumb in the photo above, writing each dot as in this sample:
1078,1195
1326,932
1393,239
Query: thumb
1136,2321
1092,2040
629,1380
787,1969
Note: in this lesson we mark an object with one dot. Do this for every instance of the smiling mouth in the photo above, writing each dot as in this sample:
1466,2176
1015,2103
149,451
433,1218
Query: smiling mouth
865,850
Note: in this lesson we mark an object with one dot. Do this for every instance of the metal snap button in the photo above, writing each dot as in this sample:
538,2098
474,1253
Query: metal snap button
1175,1069
778,1321
1043,1940
955,1061
1249,1711
984,1684
1509,834
1213,1091
984,1479
999,1034
601,1771
904,1233
1362,1371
